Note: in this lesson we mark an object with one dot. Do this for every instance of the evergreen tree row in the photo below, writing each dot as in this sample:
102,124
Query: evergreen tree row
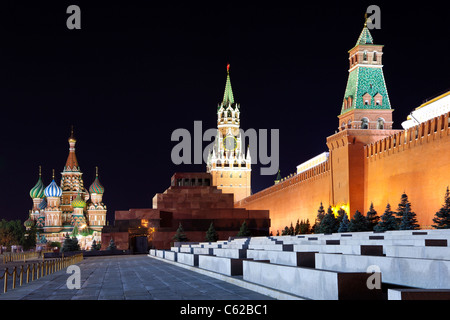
402,219
326,222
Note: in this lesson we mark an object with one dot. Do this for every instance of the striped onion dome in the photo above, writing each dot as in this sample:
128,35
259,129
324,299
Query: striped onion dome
96,186
43,204
78,202
53,190
38,190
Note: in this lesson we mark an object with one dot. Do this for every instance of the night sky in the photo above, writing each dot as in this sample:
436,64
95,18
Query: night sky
136,71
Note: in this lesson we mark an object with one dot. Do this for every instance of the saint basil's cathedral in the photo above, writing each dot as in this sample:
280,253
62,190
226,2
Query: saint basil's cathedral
68,209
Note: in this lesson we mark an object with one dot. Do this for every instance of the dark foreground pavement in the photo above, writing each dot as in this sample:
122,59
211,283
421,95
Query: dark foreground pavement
134,277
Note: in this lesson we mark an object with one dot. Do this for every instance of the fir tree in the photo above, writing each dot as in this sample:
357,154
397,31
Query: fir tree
112,245
357,223
211,234
70,244
387,221
402,207
94,245
244,231
329,223
305,227
343,225
442,217
297,227
285,231
180,236
340,215
66,244
409,221
291,230
372,218
320,213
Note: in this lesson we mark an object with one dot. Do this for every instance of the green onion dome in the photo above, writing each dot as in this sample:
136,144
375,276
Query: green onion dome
38,190
78,202
28,223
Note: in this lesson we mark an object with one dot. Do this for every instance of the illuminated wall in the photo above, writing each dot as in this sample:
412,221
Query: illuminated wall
298,197
415,161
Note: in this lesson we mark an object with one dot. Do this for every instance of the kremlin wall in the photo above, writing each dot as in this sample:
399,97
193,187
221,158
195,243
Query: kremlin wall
368,161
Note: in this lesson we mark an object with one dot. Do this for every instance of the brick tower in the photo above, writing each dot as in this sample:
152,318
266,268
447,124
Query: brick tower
366,117
228,163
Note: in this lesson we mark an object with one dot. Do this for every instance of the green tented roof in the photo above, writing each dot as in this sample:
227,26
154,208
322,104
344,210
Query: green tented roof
365,37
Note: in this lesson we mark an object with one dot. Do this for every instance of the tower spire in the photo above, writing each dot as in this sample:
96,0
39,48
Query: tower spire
228,94
71,163
365,37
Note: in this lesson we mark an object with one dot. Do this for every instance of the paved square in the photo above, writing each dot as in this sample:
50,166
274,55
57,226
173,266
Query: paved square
134,277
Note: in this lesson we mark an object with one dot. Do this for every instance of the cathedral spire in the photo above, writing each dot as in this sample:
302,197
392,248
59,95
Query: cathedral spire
228,97
71,163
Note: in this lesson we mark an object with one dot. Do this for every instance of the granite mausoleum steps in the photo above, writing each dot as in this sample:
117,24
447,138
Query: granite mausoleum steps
365,265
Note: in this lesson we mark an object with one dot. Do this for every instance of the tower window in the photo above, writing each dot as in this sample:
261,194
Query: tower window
365,56
375,56
380,123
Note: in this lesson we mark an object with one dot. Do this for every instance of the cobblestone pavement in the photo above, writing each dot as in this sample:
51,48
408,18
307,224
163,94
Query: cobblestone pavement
134,277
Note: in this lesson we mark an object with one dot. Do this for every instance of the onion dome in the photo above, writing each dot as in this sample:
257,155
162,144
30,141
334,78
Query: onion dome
78,202
43,204
72,137
38,190
52,189
28,223
96,187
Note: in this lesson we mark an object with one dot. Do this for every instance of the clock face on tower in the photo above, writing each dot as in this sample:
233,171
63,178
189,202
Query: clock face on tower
230,143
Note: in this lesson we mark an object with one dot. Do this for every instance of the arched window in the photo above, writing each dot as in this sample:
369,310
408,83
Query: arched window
365,56
380,123
374,56
364,123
